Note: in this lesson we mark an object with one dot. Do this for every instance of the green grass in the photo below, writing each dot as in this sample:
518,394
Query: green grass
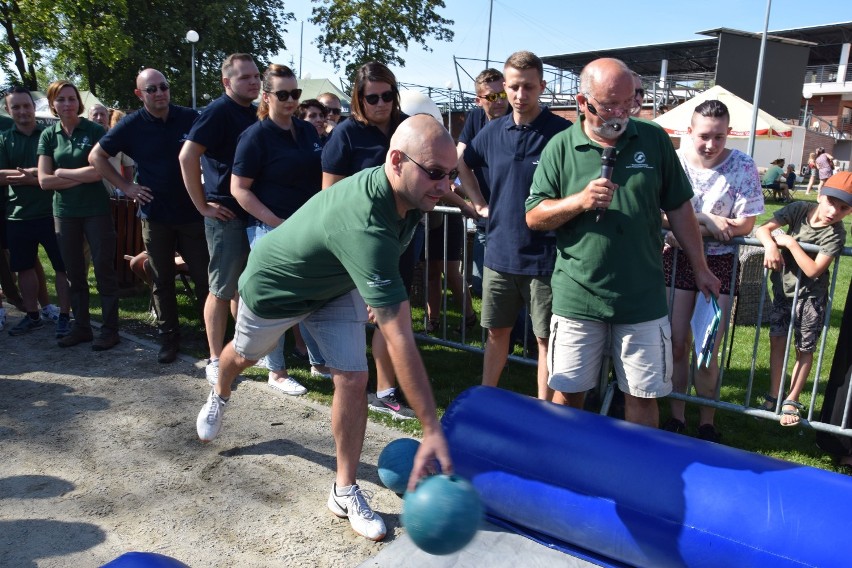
451,371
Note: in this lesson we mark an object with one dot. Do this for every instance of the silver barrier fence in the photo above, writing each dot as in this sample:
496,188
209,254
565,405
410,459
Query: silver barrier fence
750,275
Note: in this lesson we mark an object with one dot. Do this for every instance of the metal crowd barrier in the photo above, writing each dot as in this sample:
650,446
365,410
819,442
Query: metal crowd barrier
752,294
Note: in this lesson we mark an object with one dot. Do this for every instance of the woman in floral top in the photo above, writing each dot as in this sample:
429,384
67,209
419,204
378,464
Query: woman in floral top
727,199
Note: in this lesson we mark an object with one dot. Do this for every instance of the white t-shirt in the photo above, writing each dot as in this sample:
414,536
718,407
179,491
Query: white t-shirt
731,190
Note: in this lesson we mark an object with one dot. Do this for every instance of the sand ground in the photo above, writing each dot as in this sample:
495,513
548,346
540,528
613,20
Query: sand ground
100,457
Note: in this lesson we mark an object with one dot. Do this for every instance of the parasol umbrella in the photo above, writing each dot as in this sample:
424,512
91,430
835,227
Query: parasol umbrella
676,121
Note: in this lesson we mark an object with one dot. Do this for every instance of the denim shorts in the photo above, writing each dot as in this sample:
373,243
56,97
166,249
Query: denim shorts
228,247
641,354
338,328
505,295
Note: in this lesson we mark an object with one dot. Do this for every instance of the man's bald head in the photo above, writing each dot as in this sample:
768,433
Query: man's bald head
149,77
153,90
418,132
421,150
601,71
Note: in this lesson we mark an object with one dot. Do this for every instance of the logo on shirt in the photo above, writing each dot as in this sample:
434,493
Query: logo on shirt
640,162
376,281
84,143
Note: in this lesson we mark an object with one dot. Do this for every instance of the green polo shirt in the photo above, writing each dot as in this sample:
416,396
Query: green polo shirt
85,199
612,270
17,150
347,236
830,240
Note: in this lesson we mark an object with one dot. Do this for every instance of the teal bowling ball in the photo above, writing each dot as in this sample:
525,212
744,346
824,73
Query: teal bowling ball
442,514
395,463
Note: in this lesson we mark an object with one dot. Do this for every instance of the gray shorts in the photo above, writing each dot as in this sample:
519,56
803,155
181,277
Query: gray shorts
505,295
228,246
810,317
641,354
337,327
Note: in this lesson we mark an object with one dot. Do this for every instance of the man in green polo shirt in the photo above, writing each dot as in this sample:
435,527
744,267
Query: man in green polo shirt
29,214
342,245
608,285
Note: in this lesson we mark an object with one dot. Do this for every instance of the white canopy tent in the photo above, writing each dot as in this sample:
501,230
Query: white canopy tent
677,120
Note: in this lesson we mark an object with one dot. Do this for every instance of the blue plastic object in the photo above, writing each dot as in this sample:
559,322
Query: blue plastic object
144,560
442,514
640,496
396,462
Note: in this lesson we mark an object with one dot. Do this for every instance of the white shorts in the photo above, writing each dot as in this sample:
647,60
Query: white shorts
641,354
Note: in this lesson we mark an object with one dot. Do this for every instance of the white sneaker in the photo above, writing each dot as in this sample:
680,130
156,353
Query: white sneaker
2,319
212,372
50,313
209,420
356,507
320,371
287,385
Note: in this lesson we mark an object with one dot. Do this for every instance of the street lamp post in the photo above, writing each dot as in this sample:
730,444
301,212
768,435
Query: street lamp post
450,109
192,37
807,96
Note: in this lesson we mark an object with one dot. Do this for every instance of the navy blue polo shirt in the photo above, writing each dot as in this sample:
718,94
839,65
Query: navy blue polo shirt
286,172
511,153
217,129
474,122
356,146
155,145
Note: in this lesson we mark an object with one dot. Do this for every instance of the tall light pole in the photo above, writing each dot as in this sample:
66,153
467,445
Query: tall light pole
192,37
807,96
450,108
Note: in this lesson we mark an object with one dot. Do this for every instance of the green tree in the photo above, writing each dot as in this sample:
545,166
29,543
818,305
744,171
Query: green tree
158,29
103,44
28,31
359,31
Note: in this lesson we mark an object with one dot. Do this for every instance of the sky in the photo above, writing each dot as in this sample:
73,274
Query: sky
548,27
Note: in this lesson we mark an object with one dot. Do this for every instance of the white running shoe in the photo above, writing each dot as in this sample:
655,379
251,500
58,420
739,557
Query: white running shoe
209,420
212,372
287,385
355,506
50,313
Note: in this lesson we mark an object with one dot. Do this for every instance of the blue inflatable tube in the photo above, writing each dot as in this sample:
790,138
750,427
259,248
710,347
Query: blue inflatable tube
640,496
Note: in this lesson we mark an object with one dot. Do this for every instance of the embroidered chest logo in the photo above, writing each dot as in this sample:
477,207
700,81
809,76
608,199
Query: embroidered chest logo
640,162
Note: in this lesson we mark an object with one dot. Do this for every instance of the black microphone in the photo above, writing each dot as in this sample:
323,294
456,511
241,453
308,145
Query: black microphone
616,127
607,165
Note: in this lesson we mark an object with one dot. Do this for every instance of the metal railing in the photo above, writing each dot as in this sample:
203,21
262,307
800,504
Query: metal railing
463,341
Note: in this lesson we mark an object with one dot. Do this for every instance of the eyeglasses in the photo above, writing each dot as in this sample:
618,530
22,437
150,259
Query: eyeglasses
606,109
373,99
493,96
284,96
152,89
434,175
334,111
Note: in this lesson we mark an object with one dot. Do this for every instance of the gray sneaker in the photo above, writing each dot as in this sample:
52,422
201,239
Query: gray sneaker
390,405
355,506
26,325
212,372
209,420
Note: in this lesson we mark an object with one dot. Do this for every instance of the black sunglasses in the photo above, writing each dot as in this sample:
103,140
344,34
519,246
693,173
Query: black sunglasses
434,175
334,111
151,89
284,96
491,97
373,99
